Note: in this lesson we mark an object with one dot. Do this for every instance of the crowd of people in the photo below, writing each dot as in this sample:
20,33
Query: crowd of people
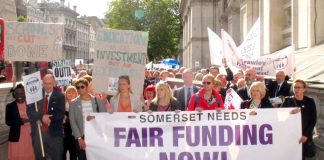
60,115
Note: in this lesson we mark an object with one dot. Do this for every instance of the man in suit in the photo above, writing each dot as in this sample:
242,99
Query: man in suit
249,77
184,93
280,87
50,114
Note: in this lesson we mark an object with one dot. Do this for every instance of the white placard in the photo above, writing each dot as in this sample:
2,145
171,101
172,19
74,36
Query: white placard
33,87
215,48
250,47
62,72
119,52
25,41
232,100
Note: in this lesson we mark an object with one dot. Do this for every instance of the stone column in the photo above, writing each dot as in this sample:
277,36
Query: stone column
272,24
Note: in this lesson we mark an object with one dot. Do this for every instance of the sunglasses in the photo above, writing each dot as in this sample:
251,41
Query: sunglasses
82,87
206,83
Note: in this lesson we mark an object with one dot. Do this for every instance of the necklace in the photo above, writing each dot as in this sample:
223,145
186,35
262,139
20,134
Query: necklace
254,105
209,100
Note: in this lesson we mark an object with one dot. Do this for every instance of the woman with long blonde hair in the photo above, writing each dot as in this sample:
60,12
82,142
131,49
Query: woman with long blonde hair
164,100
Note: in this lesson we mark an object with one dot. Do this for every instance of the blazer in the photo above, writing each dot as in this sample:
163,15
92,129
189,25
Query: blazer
76,117
308,113
13,120
265,103
56,108
283,91
243,93
135,102
174,105
180,95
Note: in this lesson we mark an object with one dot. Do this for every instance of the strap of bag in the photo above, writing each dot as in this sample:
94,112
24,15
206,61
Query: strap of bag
97,104
196,100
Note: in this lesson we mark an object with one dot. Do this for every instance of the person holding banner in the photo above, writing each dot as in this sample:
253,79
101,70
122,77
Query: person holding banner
125,100
50,114
257,92
207,97
307,107
20,143
103,97
164,100
81,107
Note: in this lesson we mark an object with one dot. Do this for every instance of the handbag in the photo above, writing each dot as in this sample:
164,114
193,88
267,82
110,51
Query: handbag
310,149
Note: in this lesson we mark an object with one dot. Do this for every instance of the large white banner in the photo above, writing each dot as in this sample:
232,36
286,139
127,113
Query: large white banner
266,65
26,41
119,52
209,135
33,87
215,48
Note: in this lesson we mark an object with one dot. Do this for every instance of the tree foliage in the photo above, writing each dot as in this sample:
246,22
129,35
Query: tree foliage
21,19
160,18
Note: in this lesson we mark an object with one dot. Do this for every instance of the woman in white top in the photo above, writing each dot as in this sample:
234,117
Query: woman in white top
125,100
82,106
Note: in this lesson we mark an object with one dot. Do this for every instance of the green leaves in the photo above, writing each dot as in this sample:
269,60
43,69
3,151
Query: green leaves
160,18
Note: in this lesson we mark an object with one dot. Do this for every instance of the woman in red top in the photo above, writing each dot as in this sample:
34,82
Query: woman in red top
207,97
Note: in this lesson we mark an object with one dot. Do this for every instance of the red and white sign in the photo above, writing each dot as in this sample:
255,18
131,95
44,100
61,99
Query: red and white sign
232,100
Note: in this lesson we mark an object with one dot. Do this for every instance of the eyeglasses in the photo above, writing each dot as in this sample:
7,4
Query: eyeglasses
82,87
206,83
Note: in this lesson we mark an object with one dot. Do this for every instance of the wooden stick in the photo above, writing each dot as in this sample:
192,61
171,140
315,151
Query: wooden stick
40,134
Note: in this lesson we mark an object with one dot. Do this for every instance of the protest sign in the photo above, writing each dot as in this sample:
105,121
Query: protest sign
232,100
62,72
119,52
268,65
250,47
33,87
265,65
33,41
215,48
227,135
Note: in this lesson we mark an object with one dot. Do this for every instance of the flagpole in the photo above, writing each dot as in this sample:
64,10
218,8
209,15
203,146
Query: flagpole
294,63
40,134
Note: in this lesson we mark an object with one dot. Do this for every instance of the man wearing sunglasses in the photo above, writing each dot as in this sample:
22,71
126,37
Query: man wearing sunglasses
49,114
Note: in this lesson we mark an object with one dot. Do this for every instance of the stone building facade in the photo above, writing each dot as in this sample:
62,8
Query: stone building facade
197,15
59,13
34,14
95,23
83,38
